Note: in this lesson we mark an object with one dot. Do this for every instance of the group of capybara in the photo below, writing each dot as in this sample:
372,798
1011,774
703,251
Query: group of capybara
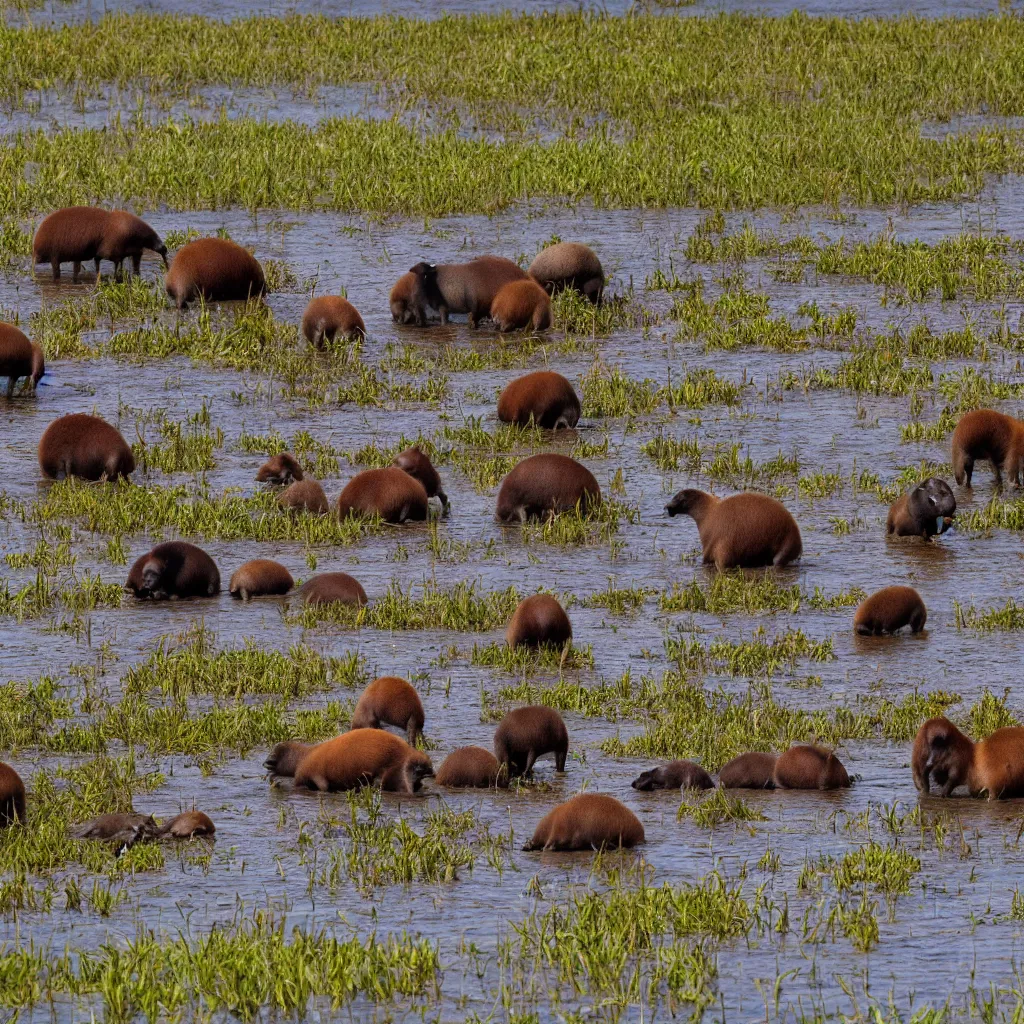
745,530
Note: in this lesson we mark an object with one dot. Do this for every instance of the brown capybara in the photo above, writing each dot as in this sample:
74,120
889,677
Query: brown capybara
993,767
285,758
808,767
527,733
889,610
172,570
748,771
390,700
329,317
925,511
674,775
471,768
360,758
127,237
328,587
418,465
521,305
19,358
544,484
539,619
589,821
280,470
543,397
569,265
12,796
216,270
260,577
391,493
304,494
84,446
116,827
986,434
460,287
745,530
403,308
186,826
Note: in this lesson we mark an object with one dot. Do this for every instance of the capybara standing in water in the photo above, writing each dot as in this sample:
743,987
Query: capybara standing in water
543,484
543,397
260,577
539,619
520,305
569,265
216,270
390,700
674,775
19,358
471,768
391,493
304,494
329,317
589,821
187,825
329,587
748,771
987,434
404,309
12,796
808,767
360,758
745,530
121,827
889,610
993,767
418,465
172,570
84,446
127,237
527,733
924,511
280,470
460,287
285,758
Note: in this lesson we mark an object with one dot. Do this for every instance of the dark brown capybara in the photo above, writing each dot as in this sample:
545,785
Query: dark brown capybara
924,511
888,610
390,700
526,734
329,587
260,577
19,358
404,310
215,270
360,758
84,446
748,771
329,317
172,570
986,434
127,237
539,619
186,825
471,768
280,470
544,484
285,758
304,494
543,397
589,821
390,492
810,767
120,827
569,265
417,464
746,530
460,287
674,775
12,796
520,305
993,767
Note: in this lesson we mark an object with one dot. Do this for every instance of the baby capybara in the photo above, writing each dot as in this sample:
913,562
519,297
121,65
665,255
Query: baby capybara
305,495
745,530
569,265
748,771
471,768
215,270
527,733
460,287
12,796
329,317
84,446
116,827
418,465
889,610
390,700
19,358
539,619
360,758
173,570
186,826
987,434
544,484
520,305
809,767
260,577
674,775
589,821
391,493
329,587
993,767
280,470
925,511
543,397
285,758
404,309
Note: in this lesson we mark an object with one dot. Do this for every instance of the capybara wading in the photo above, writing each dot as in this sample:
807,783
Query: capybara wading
84,446
127,237
418,465
390,700
260,577
216,270
391,493
329,317
328,587
569,265
19,358
889,610
993,767
987,434
280,470
521,305
12,796
285,758
186,826
471,768
544,484
746,530
304,494
527,733
674,775
174,569
119,827
544,398
403,307
460,287
749,771
809,767
925,511
360,758
539,619
589,821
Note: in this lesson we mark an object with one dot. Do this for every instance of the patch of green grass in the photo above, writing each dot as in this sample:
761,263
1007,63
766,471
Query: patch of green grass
526,660
613,393
80,594
719,805
749,591
889,869
1010,616
618,600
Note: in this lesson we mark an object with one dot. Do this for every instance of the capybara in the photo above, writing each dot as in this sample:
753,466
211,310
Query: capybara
889,610
520,305
304,494
260,577
280,470
589,821
745,530
329,317
993,767
544,484
926,510
986,434
539,619
12,796
19,358
116,826
186,826
808,767
328,587
362,757
471,768
460,287
84,446
390,492
174,569
527,733
390,700
748,771
418,465
216,270
543,397
569,265
404,309
674,775
126,237
285,758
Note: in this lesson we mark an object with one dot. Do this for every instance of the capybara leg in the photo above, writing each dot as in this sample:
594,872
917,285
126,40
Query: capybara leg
997,469
593,289
412,732
98,268
917,621
473,319
444,315
77,269
560,760
10,386
530,761
55,265
137,263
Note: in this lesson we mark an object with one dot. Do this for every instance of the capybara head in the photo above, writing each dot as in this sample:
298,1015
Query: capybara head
186,826
943,754
687,501
418,465
417,768
84,446
260,577
932,501
285,758
401,300
172,570
38,363
538,620
674,775
426,290
280,470
12,796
